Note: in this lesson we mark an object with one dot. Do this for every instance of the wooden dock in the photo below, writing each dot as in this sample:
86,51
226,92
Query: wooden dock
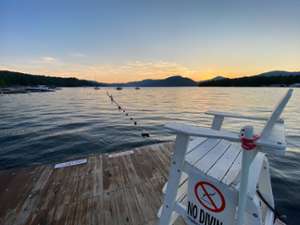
116,189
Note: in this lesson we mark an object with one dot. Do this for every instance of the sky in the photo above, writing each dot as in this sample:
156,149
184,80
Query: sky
118,41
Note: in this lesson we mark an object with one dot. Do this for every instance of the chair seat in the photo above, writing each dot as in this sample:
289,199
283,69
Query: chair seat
219,159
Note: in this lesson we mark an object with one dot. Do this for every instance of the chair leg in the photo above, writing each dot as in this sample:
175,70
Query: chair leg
177,161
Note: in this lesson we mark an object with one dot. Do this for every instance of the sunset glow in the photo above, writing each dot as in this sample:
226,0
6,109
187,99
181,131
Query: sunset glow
118,41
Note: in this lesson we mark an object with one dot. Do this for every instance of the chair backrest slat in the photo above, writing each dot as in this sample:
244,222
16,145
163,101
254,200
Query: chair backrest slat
276,114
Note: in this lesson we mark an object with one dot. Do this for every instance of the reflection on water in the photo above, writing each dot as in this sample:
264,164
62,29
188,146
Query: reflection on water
74,122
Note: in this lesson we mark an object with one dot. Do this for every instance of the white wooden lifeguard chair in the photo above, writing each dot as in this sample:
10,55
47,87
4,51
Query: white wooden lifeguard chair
222,178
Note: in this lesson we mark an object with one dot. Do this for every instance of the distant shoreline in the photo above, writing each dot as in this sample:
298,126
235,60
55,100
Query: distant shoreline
279,80
13,79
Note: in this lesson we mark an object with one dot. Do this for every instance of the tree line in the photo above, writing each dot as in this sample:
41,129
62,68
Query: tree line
9,78
255,81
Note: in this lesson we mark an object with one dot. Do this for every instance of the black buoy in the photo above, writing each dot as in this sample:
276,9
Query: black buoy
119,107
145,134
131,118
135,123
126,114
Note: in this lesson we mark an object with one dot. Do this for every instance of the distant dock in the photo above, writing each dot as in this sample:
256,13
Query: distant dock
110,189
26,89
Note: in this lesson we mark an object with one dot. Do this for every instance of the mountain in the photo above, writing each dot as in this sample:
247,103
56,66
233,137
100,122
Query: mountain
277,73
10,78
272,78
173,81
216,78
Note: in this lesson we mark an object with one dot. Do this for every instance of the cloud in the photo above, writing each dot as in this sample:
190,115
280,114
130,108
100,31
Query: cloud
48,59
129,71
156,68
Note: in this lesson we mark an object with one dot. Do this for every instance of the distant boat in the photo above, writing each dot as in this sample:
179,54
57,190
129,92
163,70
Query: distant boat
96,88
137,88
295,85
119,88
39,88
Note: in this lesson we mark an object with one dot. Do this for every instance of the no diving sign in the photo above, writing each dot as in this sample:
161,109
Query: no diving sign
209,196
209,201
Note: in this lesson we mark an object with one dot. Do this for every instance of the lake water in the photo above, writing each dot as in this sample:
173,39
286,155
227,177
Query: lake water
43,128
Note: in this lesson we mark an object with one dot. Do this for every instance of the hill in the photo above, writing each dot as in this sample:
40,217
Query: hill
277,73
9,78
173,81
272,78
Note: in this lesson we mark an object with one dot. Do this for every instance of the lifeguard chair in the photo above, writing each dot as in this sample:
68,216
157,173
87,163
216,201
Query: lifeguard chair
222,178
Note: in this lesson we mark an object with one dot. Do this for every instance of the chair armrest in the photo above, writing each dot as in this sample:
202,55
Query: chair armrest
238,116
276,141
190,130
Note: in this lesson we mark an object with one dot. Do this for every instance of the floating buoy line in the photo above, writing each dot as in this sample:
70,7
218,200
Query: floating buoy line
144,133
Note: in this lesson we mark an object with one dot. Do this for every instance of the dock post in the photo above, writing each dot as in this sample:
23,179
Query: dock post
248,154
181,145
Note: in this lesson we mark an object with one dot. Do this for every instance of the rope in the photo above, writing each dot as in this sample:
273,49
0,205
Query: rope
276,213
249,143
144,133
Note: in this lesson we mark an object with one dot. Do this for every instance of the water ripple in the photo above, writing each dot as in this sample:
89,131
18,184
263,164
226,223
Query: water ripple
43,128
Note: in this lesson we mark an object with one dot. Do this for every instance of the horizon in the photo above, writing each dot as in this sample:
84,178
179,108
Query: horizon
149,78
114,42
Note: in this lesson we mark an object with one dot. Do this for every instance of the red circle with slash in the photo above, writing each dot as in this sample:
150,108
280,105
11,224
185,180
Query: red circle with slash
214,204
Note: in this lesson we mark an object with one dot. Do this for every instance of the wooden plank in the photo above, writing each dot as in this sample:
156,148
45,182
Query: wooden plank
194,143
209,160
120,190
234,170
182,188
237,115
190,130
212,147
224,163
274,141
16,192
201,151
120,154
183,179
276,114
70,163
194,156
